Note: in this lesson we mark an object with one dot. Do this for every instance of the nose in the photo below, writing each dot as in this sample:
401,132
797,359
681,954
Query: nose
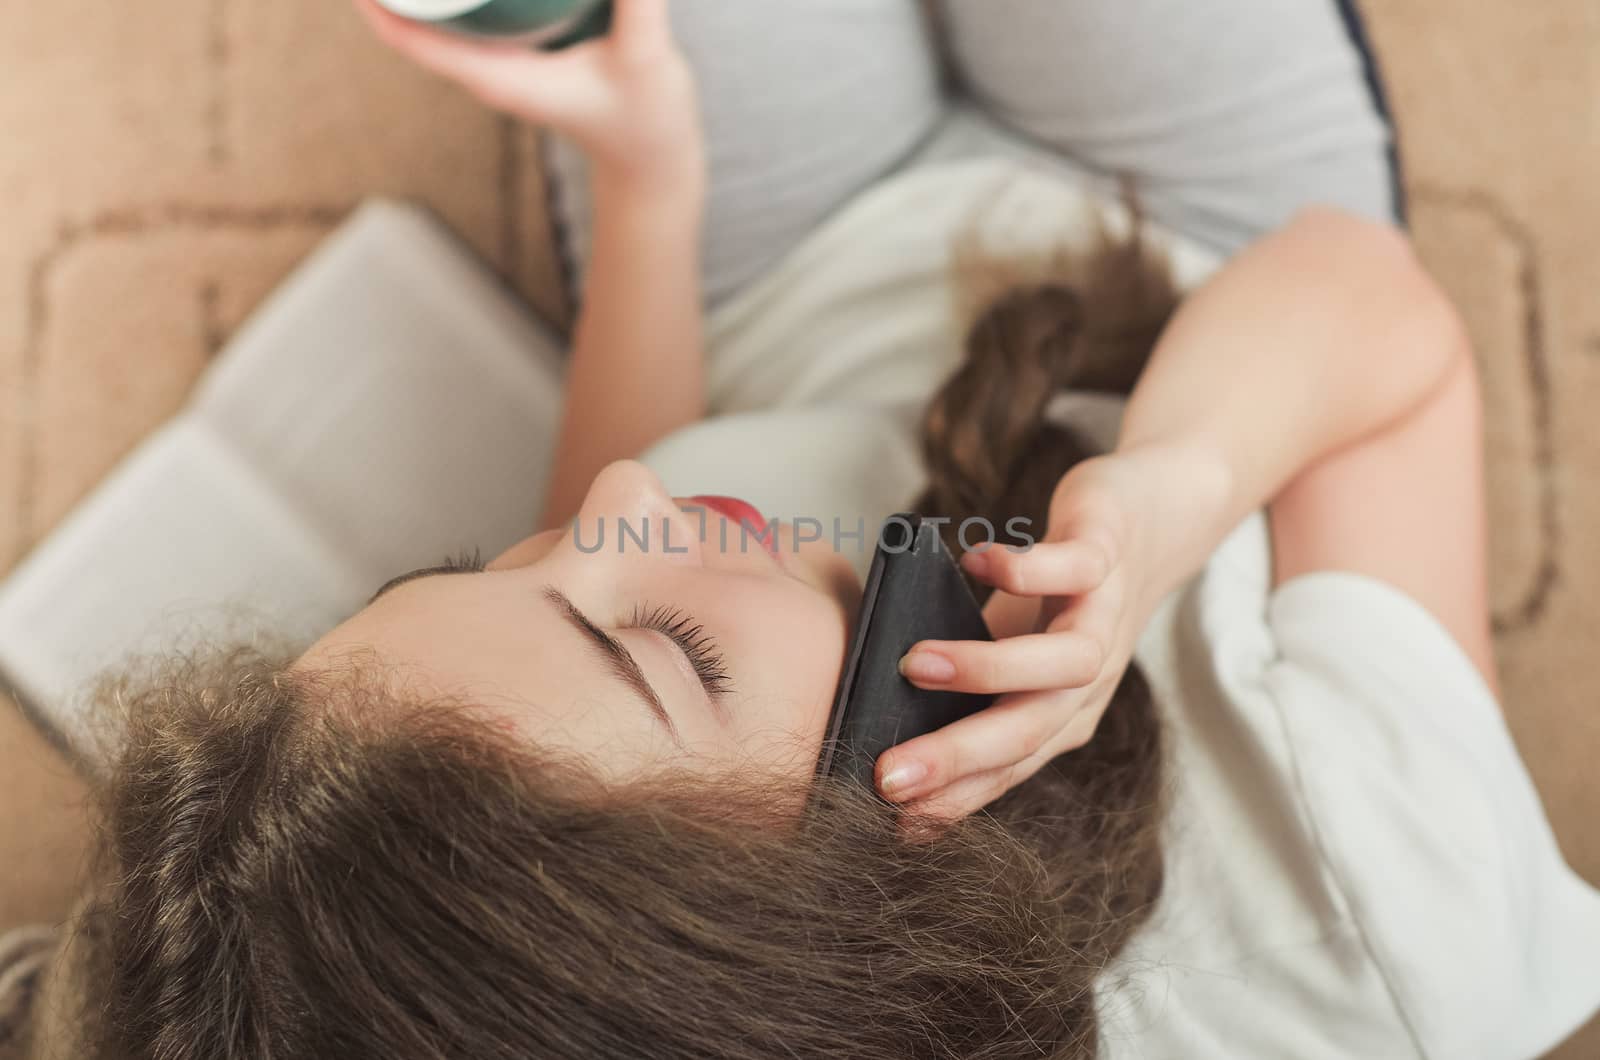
629,513
626,513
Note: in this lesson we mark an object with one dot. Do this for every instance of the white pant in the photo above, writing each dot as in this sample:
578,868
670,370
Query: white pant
1227,115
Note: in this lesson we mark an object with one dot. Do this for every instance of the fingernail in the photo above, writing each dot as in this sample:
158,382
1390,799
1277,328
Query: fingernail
928,666
903,777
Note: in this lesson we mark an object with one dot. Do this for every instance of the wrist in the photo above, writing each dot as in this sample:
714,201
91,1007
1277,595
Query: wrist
658,195
665,160
1184,503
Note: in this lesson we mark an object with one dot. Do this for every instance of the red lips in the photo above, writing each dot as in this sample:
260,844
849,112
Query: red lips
743,514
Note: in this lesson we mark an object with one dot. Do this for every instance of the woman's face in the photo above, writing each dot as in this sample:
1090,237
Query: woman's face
654,630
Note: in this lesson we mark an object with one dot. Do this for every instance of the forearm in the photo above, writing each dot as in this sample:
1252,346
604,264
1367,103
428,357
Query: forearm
1310,340
637,370
628,100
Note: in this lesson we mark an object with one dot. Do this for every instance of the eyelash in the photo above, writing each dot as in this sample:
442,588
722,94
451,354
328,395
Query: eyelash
464,562
701,648
697,644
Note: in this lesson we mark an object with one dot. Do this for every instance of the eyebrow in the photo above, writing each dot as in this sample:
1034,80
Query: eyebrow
616,655
425,572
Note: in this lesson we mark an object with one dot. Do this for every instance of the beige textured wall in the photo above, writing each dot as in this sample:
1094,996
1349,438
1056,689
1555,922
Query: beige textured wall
164,164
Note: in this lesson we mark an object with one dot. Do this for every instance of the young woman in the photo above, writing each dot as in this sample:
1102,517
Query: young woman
561,803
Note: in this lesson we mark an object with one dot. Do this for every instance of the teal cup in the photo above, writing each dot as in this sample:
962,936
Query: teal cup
547,24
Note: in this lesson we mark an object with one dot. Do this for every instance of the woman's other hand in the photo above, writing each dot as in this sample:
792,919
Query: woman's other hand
627,99
1067,615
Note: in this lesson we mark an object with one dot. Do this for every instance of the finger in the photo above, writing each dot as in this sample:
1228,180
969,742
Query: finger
1014,729
971,794
1081,511
641,23
959,800
558,88
1017,664
538,85
1050,569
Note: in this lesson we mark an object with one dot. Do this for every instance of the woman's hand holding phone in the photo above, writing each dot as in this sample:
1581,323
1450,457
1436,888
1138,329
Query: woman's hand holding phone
627,99
1066,617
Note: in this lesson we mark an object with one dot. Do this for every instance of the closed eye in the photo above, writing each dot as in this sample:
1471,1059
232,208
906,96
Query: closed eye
698,646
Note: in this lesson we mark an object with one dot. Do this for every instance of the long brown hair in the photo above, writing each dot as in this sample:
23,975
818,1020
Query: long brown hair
298,865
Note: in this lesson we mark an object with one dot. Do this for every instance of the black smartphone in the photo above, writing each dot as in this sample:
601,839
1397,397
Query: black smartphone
915,591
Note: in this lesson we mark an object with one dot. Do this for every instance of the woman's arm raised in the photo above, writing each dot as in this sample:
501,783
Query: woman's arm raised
637,369
638,366
1363,430
1322,334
